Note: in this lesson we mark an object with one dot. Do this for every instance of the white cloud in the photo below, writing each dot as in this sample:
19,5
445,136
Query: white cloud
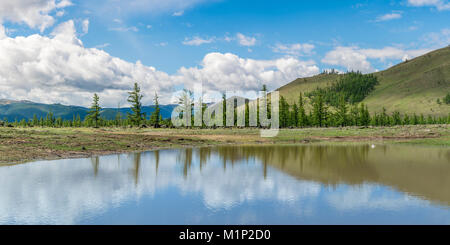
296,49
354,58
197,41
230,72
85,26
101,46
348,57
60,13
245,40
124,29
176,7
178,13
438,39
391,16
438,4
34,13
59,69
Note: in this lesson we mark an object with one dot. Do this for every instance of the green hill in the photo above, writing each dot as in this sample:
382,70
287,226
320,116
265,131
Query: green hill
410,87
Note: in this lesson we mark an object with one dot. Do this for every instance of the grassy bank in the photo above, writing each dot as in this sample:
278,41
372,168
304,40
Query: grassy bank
26,144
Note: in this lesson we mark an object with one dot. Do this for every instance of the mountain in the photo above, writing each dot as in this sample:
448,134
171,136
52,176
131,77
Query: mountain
18,110
410,87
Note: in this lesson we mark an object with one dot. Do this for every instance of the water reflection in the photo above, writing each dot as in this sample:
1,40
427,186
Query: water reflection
234,185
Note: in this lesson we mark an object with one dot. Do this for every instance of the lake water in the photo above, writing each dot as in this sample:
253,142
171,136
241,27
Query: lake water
359,184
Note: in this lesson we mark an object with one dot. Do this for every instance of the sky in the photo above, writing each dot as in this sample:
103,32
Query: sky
63,51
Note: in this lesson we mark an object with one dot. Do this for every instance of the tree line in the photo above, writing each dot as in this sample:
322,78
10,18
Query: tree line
354,87
346,114
310,110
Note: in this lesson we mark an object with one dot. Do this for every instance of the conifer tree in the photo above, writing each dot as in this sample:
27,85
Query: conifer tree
319,111
155,116
302,118
35,121
364,115
294,116
342,112
135,97
397,120
94,113
406,120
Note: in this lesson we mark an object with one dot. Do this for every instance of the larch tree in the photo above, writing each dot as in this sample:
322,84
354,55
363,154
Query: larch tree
155,116
135,97
94,113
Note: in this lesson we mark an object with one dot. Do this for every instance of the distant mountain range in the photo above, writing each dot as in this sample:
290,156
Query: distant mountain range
18,110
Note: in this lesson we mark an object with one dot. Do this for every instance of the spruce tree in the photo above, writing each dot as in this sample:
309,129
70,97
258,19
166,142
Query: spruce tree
135,97
294,116
319,111
155,116
302,117
341,116
94,113
397,120
35,121
364,115
406,120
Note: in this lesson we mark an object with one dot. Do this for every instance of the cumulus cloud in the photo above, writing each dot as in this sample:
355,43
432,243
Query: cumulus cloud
354,58
230,72
85,26
59,69
296,49
197,41
245,40
438,39
34,13
438,4
390,16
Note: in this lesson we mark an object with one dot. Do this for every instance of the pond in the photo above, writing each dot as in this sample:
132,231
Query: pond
308,184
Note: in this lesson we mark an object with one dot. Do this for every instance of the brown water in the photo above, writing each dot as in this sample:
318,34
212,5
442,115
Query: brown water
354,184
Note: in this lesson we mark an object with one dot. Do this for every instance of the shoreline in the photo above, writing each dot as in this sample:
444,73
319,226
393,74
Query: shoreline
20,145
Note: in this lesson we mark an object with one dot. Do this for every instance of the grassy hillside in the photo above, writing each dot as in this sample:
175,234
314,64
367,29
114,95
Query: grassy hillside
409,87
17,110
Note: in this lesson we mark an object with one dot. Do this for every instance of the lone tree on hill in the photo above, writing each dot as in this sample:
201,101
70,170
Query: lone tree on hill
135,98
94,113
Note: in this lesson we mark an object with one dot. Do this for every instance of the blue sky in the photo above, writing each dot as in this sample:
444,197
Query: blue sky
156,39
324,24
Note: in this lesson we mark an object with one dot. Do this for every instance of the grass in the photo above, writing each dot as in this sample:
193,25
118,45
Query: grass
27,144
